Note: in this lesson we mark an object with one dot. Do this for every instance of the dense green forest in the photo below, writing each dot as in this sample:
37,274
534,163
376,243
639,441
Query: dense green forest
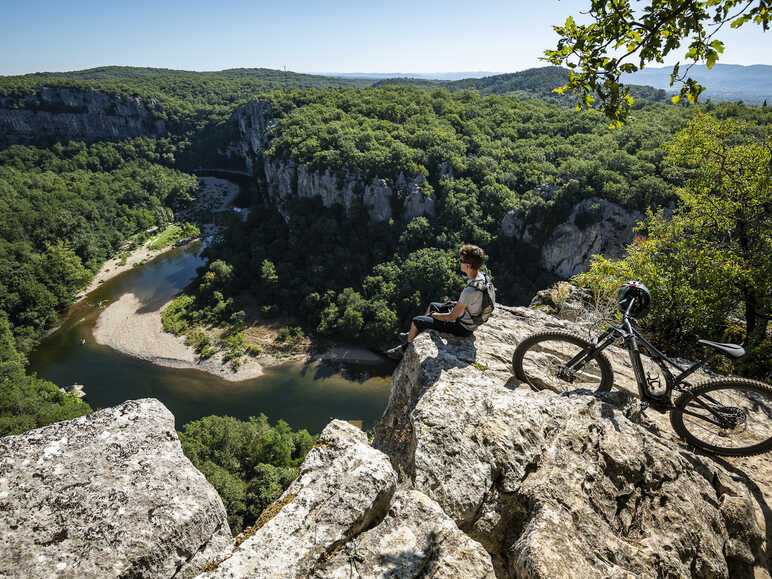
65,209
481,156
188,100
249,462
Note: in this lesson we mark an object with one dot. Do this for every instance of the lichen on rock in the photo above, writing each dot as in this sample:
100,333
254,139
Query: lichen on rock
106,495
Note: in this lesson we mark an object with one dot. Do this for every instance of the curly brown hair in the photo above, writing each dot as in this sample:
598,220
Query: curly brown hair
472,255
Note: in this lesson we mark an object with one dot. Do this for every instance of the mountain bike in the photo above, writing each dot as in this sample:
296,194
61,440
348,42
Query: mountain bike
724,416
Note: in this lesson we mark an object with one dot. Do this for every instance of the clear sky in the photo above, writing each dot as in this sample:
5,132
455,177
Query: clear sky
311,36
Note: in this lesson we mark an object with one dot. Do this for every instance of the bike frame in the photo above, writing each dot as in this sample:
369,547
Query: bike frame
627,332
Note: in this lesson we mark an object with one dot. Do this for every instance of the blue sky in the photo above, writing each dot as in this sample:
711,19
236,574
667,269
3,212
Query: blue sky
312,36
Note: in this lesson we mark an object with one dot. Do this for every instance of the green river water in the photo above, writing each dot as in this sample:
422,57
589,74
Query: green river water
305,396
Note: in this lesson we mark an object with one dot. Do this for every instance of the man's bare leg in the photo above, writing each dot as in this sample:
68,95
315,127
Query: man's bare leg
412,333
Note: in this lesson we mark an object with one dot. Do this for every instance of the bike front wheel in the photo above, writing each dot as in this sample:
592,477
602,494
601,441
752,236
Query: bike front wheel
730,417
542,360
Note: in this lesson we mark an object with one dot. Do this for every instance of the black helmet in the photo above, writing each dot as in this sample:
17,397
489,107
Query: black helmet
634,289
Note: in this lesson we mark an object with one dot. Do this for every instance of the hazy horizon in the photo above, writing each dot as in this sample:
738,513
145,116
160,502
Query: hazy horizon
398,37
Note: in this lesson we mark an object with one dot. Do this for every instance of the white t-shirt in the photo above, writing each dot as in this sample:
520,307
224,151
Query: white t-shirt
473,298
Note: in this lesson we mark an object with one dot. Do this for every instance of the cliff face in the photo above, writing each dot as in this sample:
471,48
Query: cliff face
471,474
594,226
58,114
286,179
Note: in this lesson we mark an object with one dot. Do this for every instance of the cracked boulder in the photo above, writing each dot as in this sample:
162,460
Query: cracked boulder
555,485
416,539
106,495
344,487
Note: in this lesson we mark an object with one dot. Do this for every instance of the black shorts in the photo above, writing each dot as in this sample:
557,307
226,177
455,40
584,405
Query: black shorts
429,323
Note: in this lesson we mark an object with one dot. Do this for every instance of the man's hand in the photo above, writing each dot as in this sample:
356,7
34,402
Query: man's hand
450,316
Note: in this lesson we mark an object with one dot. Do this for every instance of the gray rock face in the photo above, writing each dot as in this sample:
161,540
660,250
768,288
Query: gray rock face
594,226
416,539
254,120
553,485
58,114
342,517
344,486
287,179
106,495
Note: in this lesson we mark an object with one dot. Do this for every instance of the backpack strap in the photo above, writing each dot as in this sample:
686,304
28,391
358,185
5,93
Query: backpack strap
475,283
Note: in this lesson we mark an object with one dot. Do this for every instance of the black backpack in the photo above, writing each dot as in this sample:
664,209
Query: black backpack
488,290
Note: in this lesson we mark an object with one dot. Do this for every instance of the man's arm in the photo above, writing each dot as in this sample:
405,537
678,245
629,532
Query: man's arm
452,315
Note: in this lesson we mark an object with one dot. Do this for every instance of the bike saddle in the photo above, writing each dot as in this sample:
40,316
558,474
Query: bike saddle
731,350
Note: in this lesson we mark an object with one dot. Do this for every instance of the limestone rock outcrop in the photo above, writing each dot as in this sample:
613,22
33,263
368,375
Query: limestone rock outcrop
286,179
594,226
254,120
416,539
338,516
557,486
106,495
59,114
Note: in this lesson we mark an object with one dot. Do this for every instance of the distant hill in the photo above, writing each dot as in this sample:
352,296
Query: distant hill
264,75
413,75
724,82
534,82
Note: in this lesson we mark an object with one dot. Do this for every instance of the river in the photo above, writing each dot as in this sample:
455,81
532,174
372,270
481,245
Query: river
306,396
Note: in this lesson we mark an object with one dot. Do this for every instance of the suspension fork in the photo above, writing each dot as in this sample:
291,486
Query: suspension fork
635,360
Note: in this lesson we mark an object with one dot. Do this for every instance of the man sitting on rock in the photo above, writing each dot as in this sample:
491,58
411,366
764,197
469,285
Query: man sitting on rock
460,318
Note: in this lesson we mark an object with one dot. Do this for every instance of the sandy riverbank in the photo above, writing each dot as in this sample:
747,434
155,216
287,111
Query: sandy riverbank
215,194
134,328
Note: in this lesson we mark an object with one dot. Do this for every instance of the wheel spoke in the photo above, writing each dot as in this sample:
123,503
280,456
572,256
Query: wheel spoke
545,366
730,418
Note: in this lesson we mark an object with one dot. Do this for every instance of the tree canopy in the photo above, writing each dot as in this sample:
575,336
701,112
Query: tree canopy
619,33
249,462
709,266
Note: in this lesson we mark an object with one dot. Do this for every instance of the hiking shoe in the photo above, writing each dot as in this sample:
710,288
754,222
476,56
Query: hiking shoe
395,353
403,337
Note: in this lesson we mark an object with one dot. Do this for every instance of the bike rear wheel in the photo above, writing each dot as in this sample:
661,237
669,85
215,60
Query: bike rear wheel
730,417
541,361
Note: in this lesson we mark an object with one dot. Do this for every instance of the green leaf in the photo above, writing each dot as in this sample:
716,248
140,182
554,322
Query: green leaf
676,98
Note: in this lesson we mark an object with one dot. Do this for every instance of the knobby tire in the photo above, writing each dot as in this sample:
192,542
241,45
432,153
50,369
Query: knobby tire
531,343
757,394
